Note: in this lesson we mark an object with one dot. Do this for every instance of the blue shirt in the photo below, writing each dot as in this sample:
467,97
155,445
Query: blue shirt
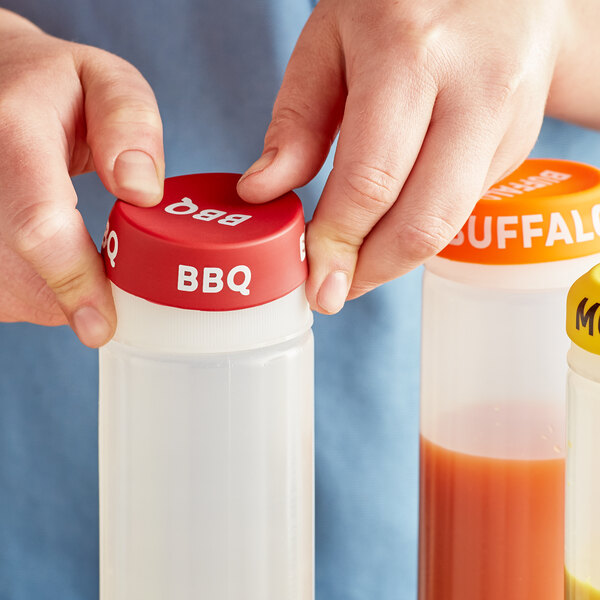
215,66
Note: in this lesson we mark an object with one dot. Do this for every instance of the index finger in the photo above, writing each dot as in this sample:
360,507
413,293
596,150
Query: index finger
382,131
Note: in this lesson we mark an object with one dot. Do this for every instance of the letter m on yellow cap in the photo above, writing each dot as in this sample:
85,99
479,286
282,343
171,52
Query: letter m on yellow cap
585,318
583,302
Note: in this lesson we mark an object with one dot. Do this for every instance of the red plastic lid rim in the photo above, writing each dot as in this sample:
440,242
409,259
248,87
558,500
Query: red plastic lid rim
204,248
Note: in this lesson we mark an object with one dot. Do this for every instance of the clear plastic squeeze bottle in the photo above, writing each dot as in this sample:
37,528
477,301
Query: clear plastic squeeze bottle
492,388
206,400
582,535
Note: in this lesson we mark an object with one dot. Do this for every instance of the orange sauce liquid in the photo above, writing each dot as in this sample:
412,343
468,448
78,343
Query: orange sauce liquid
491,528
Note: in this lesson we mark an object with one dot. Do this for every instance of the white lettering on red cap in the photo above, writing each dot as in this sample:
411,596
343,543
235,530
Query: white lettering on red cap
187,280
187,207
241,287
212,279
112,247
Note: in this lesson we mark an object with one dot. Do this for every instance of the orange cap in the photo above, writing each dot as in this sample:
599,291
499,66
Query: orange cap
546,210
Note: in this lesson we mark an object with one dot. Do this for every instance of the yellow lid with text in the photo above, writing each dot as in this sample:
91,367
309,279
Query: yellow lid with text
583,311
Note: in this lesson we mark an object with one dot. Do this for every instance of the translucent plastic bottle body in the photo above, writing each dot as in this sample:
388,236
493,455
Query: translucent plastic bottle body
493,380
206,472
492,435
582,543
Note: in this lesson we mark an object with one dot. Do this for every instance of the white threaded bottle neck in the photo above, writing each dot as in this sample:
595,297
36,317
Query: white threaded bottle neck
584,363
154,327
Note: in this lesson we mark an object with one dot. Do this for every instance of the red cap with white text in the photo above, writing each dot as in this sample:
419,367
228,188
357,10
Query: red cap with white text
204,248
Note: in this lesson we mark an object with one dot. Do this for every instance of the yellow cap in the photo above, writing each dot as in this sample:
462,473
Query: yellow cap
583,311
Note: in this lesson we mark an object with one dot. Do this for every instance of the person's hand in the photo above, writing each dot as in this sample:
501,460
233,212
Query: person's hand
434,100
66,109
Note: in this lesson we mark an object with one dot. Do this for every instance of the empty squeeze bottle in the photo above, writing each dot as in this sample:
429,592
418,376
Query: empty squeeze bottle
206,399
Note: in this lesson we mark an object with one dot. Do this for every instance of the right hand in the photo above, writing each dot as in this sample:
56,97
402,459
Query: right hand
434,101
66,109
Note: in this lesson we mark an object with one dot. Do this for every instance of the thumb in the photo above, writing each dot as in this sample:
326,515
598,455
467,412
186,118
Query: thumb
306,115
124,128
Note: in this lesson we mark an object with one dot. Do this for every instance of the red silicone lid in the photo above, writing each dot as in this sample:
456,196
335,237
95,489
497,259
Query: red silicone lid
204,248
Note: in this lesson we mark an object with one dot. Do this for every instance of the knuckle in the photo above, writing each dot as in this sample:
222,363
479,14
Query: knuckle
40,295
422,238
422,46
425,49
320,237
500,81
294,116
363,286
68,284
347,240
15,128
499,92
122,110
43,303
34,228
369,188
47,238
288,113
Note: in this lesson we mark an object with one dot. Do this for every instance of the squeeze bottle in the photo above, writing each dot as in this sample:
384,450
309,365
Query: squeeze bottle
206,399
582,534
492,387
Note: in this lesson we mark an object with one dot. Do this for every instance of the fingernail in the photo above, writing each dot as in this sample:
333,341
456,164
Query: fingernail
135,172
91,327
262,163
333,292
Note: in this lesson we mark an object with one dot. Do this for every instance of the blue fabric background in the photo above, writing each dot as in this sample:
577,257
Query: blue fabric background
215,66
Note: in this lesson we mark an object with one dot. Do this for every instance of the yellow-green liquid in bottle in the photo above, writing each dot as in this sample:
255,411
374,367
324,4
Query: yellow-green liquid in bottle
578,590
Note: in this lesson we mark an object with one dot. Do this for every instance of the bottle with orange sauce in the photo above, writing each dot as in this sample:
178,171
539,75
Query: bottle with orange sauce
492,390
